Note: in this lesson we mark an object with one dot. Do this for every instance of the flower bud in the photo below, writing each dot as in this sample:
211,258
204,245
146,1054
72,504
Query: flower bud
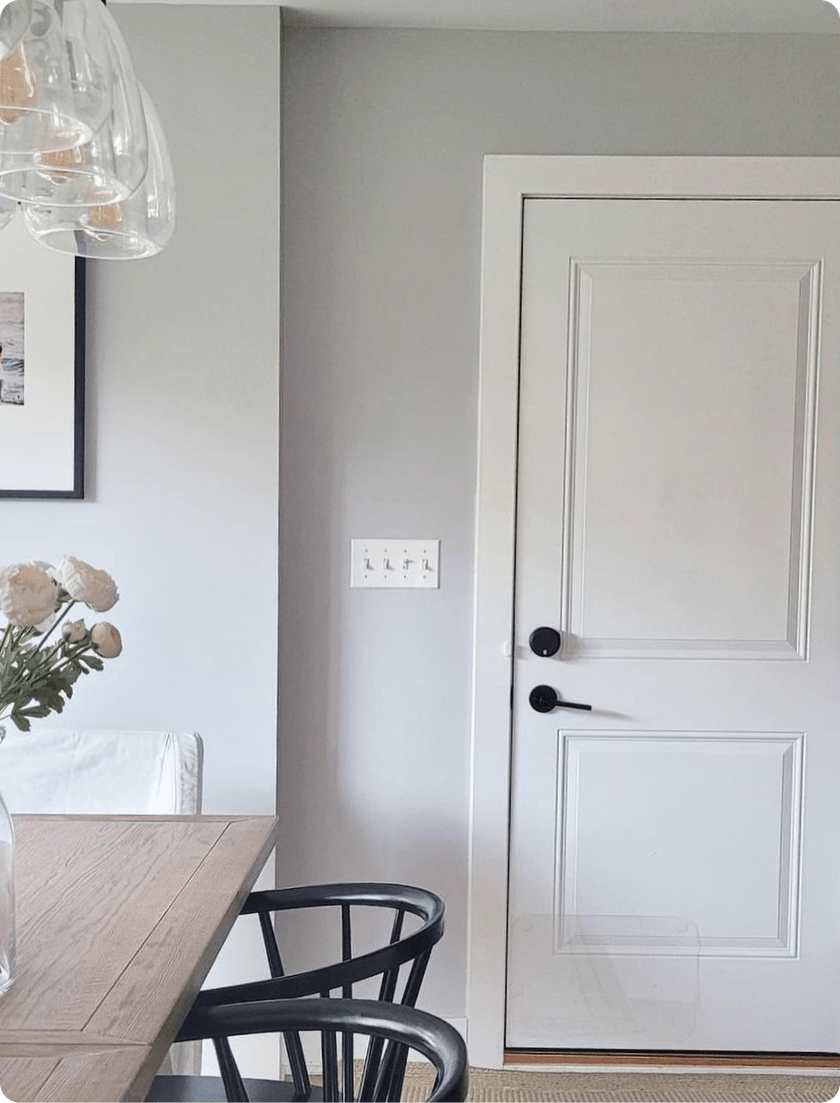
106,639
73,631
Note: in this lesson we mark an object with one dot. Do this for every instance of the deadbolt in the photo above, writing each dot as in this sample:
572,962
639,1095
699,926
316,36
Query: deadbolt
545,641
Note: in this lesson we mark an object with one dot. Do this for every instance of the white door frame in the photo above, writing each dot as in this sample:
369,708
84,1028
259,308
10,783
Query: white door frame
508,181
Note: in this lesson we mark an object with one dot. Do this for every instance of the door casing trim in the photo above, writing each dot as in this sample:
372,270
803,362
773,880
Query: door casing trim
508,181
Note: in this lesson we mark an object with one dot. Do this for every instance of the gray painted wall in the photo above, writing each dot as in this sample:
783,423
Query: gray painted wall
383,138
186,415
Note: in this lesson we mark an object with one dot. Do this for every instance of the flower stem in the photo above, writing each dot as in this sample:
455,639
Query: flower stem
70,655
25,675
54,625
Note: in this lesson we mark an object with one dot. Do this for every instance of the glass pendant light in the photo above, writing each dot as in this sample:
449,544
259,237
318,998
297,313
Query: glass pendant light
139,226
86,32
108,168
14,20
53,94
7,211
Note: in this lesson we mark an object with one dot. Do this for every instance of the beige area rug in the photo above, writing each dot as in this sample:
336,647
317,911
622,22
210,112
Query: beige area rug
491,1086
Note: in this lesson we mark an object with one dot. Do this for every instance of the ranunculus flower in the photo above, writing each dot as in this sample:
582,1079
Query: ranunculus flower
85,583
27,594
73,631
106,639
36,599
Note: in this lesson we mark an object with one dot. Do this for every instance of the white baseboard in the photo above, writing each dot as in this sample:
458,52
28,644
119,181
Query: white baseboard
461,1026
677,1070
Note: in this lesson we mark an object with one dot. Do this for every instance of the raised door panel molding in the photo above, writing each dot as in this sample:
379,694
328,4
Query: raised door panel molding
690,537
678,843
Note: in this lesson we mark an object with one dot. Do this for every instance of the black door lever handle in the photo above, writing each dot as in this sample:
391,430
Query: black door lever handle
544,699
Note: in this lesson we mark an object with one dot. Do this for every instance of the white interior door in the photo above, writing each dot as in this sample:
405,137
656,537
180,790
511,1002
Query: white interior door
675,852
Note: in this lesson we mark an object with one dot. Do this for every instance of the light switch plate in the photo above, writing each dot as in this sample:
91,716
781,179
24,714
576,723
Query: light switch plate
395,564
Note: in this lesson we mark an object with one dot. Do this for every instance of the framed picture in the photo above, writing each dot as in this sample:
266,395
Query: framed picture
42,369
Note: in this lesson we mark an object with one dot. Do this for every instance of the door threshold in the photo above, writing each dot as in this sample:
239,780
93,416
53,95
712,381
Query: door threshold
671,1058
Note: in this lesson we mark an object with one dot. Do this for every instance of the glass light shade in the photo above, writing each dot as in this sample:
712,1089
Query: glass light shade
139,226
14,21
128,117
37,108
112,164
7,211
86,32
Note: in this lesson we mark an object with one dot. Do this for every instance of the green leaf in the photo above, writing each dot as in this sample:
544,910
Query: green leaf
38,711
50,698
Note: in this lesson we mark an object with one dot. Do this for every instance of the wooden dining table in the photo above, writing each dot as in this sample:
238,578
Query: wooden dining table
119,919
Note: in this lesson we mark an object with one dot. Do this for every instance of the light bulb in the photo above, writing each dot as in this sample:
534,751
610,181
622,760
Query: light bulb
107,217
50,165
18,87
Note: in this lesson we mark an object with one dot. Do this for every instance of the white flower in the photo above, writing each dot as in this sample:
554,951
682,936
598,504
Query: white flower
36,680
45,625
73,631
85,583
27,594
106,639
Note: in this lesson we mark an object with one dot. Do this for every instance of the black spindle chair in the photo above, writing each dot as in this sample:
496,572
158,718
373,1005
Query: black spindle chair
395,1026
400,965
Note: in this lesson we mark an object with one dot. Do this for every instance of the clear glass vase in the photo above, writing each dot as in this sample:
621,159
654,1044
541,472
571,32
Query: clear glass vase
7,895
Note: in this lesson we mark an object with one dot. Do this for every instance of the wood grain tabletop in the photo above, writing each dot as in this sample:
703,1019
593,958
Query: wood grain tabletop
119,919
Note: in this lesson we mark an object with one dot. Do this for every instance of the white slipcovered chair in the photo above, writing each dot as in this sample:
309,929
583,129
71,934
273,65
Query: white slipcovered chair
64,771
70,772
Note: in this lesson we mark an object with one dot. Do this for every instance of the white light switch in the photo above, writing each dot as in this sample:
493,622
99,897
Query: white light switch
393,564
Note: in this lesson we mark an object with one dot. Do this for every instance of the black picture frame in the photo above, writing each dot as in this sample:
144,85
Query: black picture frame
42,435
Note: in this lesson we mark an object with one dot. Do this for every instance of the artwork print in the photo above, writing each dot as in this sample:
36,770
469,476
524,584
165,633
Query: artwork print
12,351
42,369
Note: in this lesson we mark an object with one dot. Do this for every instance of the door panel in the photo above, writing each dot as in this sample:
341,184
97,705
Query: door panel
659,852
682,467
674,853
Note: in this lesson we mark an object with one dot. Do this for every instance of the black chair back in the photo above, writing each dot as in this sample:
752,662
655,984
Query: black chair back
400,963
339,1021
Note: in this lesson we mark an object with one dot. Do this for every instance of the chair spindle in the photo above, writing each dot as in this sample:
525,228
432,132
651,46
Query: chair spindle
231,1078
